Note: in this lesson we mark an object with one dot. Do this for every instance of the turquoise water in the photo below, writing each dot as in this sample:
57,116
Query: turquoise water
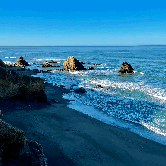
137,99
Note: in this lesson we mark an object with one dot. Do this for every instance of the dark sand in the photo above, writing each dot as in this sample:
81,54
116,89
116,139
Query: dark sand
69,137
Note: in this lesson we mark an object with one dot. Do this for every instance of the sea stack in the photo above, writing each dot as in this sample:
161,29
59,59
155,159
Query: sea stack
72,63
125,68
21,62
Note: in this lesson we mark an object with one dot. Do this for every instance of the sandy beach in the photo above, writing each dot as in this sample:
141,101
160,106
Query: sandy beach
69,137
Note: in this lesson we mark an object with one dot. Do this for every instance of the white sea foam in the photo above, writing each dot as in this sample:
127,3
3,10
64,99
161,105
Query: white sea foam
115,69
133,86
83,77
10,57
154,129
142,73
8,62
42,59
50,59
79,78
160,97
59,78
102,67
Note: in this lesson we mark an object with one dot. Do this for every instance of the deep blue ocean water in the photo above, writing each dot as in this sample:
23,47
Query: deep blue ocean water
136,102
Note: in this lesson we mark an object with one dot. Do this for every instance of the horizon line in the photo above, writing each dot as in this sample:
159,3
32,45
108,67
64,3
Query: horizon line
86,45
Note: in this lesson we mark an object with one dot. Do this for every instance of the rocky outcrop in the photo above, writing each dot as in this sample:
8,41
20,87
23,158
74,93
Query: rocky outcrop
80,90
16,150
98,86
52,61
72,63
91,68
15,85
2,64
21,62
126,68
46,65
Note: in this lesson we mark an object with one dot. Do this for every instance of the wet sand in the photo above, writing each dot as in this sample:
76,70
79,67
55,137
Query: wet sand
69,137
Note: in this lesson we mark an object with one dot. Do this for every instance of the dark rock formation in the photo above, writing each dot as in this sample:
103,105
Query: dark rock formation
36,71
91,68
125,68
60,69
98,86
21,62
46,65
80,90
2,64
52,61
72,63
15,85
16,150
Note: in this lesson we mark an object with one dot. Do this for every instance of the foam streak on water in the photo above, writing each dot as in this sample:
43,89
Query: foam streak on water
132,86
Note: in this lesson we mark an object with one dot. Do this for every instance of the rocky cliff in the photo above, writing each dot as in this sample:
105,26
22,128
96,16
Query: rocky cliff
16,150
15,85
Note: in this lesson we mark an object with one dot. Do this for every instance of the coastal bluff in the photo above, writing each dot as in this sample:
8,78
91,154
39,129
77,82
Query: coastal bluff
16,150
15,85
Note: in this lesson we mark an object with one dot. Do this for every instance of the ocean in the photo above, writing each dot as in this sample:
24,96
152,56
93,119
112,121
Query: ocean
135,102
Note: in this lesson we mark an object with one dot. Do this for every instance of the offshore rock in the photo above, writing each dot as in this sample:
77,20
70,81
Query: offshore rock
125,68
72,63
52,61
15,85
80,90
21,62
98,86
16,150
91,68
47,65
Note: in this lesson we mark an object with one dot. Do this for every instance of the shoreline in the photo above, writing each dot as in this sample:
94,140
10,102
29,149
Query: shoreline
141,130
69,137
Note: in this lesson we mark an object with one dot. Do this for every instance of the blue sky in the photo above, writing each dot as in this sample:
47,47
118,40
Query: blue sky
80,23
